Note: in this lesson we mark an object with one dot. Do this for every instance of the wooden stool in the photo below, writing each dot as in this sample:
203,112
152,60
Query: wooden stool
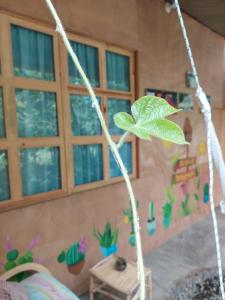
106,280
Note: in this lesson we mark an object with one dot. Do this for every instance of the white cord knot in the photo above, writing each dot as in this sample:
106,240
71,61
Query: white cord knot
205,107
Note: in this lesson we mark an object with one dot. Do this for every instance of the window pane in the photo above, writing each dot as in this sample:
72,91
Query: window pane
36,113
83,116
4,177
126,155
32,53
115,106
88,57
40,170
2,123
88,163
118,71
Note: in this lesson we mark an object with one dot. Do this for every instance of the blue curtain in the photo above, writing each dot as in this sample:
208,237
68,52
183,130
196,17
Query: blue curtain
126,155
32,53
115,106
88,57
4,178
118,71
2,123
40,170
84,117
88,163
36,113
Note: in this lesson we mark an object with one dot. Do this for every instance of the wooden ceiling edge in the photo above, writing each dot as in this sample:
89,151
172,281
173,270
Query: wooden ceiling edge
202,23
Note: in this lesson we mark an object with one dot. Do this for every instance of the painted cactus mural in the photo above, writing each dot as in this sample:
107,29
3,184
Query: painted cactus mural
74,256
14,258
206,193
151,223
107,240
128,219
167,214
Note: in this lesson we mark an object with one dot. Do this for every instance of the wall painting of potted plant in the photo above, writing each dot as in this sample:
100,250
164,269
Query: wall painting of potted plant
151,223
206,193
74,256
107,240
129,219
14,258
167,214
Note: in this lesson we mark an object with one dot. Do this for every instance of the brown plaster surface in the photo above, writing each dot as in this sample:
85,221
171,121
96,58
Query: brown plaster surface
143,26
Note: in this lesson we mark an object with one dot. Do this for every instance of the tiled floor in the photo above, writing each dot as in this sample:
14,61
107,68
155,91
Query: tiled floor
187,252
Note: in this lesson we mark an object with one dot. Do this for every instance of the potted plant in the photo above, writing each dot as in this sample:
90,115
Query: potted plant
108,239
151,223
206,193
74,256
167,214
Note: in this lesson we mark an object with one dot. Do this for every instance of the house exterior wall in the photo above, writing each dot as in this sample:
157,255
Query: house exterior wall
142,26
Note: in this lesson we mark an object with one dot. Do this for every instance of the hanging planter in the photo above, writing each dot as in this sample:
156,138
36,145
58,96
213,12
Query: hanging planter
132,239
151,223
206,193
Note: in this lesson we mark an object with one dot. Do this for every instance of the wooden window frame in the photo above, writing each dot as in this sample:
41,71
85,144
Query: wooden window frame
62,88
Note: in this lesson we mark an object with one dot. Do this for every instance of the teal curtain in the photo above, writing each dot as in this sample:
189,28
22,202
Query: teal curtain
88,163
118,71
126,155
2,123
36,113
40,170
115,106
88,57
4,177
32,53
84,117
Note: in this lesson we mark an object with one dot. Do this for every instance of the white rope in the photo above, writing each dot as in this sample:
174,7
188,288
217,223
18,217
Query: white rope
214,150
140,264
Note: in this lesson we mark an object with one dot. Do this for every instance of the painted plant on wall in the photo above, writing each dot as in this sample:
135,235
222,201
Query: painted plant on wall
151,223
107,239
206,193
14,258
168,207
74,256
129,219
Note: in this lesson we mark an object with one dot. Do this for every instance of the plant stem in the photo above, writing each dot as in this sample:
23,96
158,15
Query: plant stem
122,139
60,29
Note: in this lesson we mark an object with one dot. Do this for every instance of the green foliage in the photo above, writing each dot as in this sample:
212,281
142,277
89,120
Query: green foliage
185,208
170,196
148,119
167,210
12,255
109,237
9,265
196,197
72,255
151,211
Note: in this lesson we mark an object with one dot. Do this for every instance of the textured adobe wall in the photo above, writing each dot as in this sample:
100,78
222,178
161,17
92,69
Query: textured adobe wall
141,25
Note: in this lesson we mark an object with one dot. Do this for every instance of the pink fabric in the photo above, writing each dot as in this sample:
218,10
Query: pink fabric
12,291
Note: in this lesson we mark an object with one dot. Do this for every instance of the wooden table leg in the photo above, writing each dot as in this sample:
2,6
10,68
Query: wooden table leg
149,284
91,288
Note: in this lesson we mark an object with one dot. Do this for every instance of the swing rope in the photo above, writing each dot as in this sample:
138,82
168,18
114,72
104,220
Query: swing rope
214,150
113,146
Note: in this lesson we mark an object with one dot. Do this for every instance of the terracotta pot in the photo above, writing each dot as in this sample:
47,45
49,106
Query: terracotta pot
76,269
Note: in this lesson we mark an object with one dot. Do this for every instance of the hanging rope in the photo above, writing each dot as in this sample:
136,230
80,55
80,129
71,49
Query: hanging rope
60,29
213,146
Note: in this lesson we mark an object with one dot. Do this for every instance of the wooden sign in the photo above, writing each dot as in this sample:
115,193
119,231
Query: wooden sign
185,162
184,176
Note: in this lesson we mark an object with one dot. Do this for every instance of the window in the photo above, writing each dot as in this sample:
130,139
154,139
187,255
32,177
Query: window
51,141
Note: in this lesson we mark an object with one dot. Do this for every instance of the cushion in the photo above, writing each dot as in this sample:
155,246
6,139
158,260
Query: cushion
12,291
41,286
